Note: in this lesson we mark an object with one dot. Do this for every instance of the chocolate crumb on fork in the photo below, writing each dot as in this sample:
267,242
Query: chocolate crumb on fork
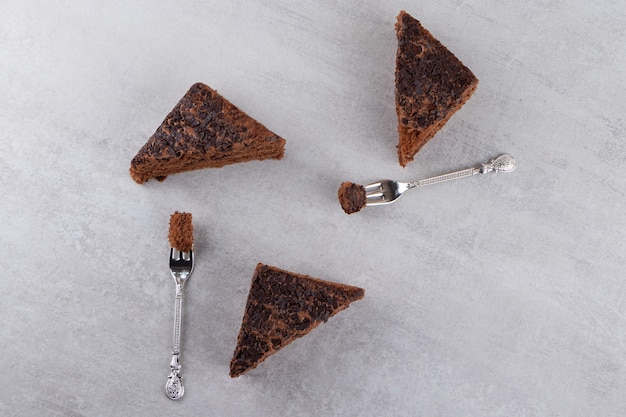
181,231
352,197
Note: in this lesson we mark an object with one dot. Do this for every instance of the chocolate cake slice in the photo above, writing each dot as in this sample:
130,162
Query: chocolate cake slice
431,85
283,306
203,130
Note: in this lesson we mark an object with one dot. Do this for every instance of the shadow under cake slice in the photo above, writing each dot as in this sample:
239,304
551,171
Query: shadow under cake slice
431,85
204,130
281,307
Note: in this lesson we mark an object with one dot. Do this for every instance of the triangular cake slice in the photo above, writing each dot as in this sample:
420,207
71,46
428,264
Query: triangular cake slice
431,85
283,306
203,130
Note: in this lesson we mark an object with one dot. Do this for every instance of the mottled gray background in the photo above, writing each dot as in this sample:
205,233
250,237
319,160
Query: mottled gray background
500,295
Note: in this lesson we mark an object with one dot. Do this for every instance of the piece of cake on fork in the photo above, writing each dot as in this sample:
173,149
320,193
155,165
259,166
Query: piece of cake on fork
181,231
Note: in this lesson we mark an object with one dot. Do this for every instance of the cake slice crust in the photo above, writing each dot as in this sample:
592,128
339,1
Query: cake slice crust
431,85
281,307
204,130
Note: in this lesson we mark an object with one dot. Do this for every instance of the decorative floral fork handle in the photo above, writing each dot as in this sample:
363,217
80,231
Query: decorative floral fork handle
504,163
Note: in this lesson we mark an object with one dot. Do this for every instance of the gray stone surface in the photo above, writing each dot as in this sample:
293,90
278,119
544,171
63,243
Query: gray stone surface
499,295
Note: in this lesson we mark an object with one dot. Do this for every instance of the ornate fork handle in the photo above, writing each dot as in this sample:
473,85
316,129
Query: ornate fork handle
178,318
503,163
174,388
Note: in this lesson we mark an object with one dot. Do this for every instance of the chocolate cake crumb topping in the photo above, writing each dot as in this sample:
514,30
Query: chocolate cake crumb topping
181,231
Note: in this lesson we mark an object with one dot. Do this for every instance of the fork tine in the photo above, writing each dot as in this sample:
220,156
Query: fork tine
375,199
179,256
373,187
376,195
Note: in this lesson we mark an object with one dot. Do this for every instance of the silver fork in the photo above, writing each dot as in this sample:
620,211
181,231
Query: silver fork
181,267
388,191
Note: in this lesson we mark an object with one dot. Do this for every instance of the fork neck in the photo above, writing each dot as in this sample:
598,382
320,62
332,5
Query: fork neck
180,284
